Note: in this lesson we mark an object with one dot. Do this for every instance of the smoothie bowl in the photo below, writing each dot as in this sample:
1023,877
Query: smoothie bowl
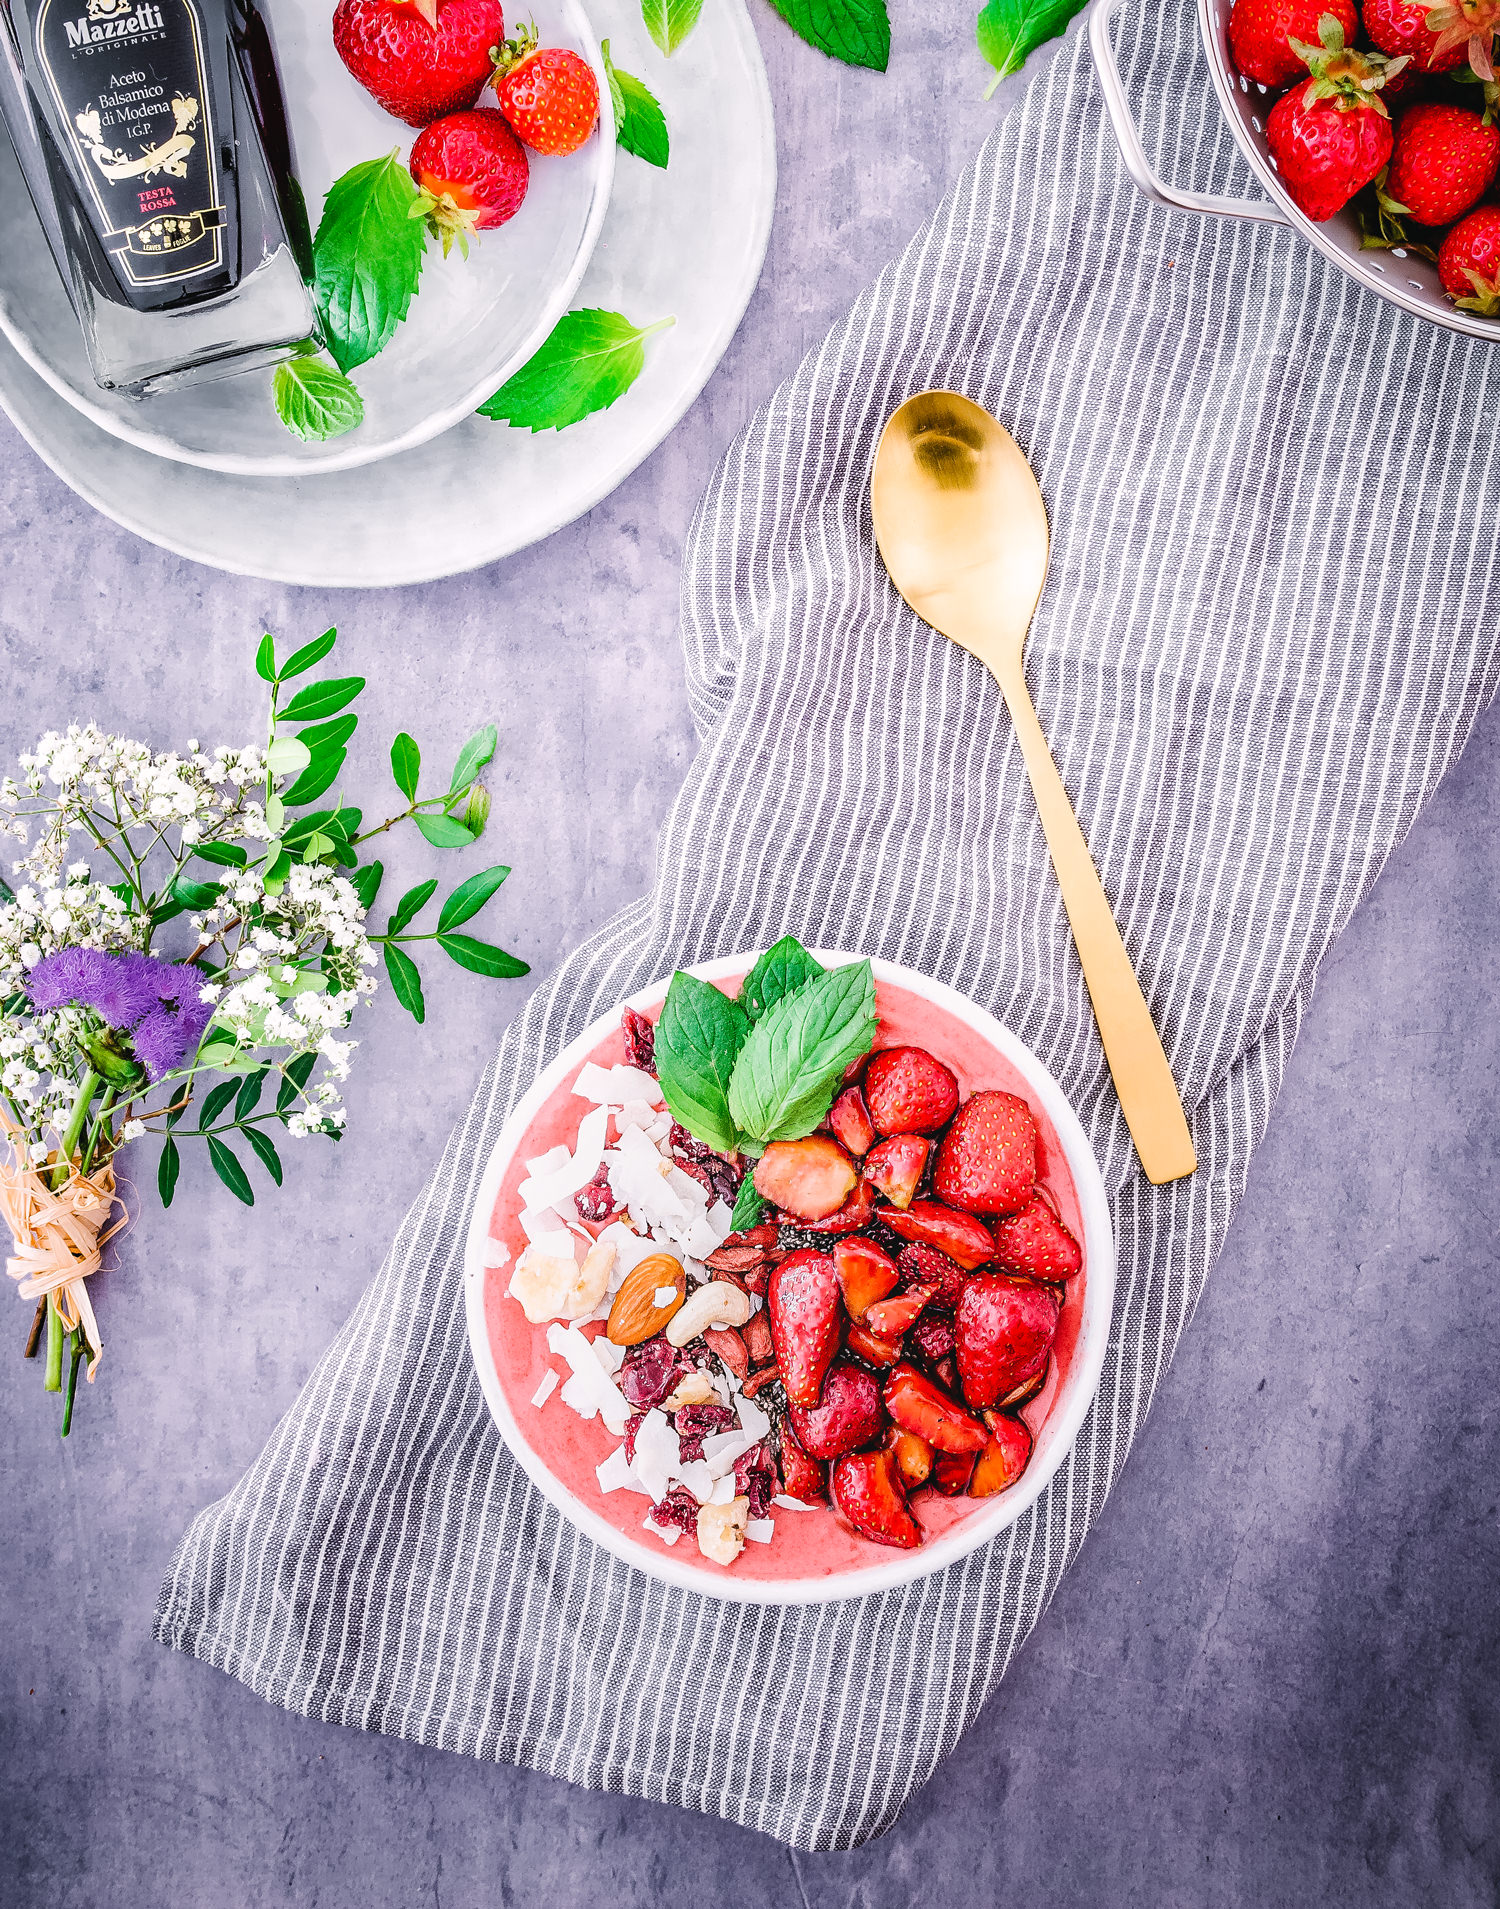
791,1280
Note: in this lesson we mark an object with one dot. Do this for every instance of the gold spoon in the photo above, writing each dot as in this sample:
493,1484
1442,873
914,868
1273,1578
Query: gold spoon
963,531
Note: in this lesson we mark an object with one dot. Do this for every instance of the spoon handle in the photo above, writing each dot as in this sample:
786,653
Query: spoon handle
1132,1046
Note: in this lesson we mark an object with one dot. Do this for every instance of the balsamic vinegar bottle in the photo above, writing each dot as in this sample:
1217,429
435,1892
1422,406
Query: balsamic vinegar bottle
139,141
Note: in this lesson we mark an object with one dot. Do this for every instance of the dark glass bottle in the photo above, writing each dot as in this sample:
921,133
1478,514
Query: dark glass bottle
140,142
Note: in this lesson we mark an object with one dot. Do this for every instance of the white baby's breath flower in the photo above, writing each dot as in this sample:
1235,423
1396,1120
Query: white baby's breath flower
132,1130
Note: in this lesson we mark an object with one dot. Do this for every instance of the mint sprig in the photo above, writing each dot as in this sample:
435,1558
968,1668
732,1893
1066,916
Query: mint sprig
640,124
782,969
591,358
1010,31
314,400
858,32
698,1040
669,22
367,258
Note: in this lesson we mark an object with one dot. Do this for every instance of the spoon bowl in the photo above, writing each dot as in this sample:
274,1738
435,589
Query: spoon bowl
962,529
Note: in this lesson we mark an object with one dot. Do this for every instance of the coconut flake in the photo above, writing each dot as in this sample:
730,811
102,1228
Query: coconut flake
614,1473
760,1530
721,1449
663,1296
723,1491
497,1253
617,1085
549,1161
658,1454
574,1172
635,1113
630,1249
591,1389
791,1504
609,1355
698,1479
669,1534
545,1390
752,1418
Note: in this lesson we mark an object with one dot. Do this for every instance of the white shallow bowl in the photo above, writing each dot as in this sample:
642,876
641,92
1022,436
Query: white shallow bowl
687,243
471,324
888,1569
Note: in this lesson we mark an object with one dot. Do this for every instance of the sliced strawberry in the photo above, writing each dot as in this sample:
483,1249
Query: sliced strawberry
849,1118
1036,1244
801,1474
987,1162
907,1090
1027,1390
866,1273
846,1416
890,1318
931,1338
1003,1459
951,1472
809,1178
913,1456
894,1168
866,1487
807,1312
921,1265
916,1405
1005,1328
856,1212
962,1237
871,1348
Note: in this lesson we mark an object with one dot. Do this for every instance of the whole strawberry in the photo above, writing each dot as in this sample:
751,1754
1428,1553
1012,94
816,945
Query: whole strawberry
987,1162
847,1415
1467,27
419,59
1036,1244
1400,26
1261,32
1442,162
907,1090
548,93
472,172
1005,1328
1469,262
1331,136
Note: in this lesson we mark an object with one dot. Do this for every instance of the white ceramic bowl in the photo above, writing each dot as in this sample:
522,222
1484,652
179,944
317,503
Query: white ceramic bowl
878,1568
471,324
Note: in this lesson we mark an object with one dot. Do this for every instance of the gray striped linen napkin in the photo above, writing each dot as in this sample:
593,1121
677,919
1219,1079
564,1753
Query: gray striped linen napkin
1269,627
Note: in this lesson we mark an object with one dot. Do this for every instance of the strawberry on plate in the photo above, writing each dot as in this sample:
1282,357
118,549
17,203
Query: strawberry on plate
548,93
1442,162
1035,1243
846,1416
472,172
917,1405
1330,136
894,1168
419,59
1261,32
802,1476
866,1272
807,1310
1005,1328
907,1090
987,1160
849,1122
1469,262
1003,1459
866,1487
963,1238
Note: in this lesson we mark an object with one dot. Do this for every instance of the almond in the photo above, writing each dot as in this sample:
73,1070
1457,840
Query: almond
635,1315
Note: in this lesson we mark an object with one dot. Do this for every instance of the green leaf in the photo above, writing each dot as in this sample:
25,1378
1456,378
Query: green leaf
122,889
226,854
475,753
216,1101
367,258
591,358
669,22
309,655
315,780
858,32
406,765
698,1039
406,982
167,1168
248,1097
288,756
195,894
780,970
315,400
265,1151
367,882
296,1072
321,737
1009,31
640,124
469,897
230,1171
444,831
479,957
748,1206
321,699
796,1053
265,659
411,904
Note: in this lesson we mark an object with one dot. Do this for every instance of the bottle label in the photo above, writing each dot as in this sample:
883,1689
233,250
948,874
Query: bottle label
131,87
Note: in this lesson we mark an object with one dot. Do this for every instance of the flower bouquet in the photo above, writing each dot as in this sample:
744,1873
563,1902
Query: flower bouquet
137,987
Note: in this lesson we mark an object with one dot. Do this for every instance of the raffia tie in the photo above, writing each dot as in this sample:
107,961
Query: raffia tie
59,1237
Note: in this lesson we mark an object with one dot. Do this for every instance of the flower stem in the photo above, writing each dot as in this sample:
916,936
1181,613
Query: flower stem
53,1380
106,1101
78,1348
87,1089
38,1320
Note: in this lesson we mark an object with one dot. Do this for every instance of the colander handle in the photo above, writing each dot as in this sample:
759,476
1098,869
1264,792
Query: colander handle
1134,153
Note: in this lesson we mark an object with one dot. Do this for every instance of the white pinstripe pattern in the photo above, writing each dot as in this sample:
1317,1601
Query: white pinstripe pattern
1270,625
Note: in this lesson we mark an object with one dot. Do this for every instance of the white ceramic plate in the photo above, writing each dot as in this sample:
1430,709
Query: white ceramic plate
886,1569
687,242
470,326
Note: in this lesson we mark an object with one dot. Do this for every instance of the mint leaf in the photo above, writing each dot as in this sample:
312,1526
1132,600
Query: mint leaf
698,1037
475,753
795,1054
858,32
640,124
321,699
469,897
406,765
669,22
406,983
591,358
1009,31
314,400
480,957
780,970
748,1205
367,258
310,653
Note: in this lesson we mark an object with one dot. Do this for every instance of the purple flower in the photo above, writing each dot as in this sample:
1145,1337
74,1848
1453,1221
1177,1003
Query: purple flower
155,1002
169,1034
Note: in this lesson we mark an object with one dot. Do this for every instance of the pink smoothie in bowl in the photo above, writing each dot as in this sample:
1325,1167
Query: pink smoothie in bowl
811,1554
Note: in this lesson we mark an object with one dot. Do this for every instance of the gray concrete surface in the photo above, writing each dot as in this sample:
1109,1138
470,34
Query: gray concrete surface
1270,1679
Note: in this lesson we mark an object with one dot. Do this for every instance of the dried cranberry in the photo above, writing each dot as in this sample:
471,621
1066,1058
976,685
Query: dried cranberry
932,1335
695,1170
596,1201
679,1508
632,1425
640,1041
711,1170
697,1422
755,1478
685,1146
648,1373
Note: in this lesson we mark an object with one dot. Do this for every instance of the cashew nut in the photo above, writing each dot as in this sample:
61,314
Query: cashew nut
696,1388
721,1530
541,1284
716,1304
592,1282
